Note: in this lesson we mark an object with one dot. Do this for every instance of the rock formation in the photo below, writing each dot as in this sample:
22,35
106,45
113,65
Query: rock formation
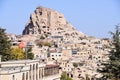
50,22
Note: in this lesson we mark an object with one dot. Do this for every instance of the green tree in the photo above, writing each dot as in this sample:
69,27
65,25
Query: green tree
87,77
47,44
42,37
65,77
43,43
17,54
29,53
111,68
5,46
75,65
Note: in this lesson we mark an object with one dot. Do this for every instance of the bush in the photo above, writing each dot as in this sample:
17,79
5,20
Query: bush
65,77
42,37
75,64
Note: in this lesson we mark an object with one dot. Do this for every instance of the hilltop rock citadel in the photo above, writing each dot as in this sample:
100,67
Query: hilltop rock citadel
52,23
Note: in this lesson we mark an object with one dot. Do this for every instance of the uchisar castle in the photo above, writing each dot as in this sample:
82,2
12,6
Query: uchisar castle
58,47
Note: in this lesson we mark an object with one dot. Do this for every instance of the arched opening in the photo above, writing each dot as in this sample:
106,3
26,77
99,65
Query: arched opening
30,72
13,77
33,71
23,76
27,76
36,71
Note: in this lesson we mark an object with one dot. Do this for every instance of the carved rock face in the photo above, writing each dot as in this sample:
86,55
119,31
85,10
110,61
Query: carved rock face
51,22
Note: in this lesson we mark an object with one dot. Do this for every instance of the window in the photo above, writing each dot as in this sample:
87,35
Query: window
67,74
68,65
44,26
71,75
39,73
79,75
60,16
27,76
40,13
30,72
13,77
23,76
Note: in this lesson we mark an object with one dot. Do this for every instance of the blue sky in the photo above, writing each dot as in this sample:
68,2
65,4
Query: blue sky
92,17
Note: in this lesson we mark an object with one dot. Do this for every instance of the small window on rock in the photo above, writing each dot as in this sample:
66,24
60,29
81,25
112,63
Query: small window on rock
60,16
40,13
44,26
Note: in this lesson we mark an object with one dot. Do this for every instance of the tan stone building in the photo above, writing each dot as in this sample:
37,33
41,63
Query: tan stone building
26,70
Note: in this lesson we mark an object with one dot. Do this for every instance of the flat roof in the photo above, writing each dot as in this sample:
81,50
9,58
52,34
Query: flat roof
19,61
51,65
